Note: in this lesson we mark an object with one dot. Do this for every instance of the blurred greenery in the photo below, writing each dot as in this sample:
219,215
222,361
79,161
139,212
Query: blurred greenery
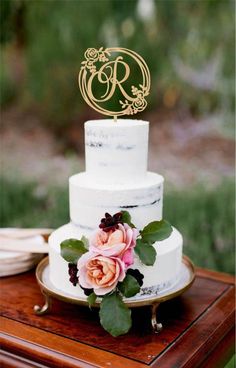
206,220
7,91
204,217
188,45
25,205
231,363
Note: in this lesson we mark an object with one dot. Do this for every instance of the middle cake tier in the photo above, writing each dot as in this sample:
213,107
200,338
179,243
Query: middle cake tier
90,200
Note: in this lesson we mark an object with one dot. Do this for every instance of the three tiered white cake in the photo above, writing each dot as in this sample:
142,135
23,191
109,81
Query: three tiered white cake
116,179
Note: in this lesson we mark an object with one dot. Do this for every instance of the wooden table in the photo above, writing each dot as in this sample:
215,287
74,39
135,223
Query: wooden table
198,329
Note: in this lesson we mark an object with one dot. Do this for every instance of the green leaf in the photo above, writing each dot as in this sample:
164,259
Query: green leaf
115,317
129,286
126,218
72,250
91,299
85,241
146,252
156,231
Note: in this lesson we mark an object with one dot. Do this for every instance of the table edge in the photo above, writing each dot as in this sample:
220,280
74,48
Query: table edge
215,275
195,357
19,344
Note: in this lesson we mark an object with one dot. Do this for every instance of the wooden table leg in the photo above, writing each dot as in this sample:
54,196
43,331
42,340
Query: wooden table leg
45,308
157,327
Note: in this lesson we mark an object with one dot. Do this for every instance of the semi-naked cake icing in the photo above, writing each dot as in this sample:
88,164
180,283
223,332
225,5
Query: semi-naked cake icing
116,179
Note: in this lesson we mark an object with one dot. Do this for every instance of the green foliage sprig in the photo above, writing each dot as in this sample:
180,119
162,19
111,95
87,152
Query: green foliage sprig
155,231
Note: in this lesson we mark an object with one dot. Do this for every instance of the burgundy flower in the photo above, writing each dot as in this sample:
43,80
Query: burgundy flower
87,292
137,275
72,270
110,223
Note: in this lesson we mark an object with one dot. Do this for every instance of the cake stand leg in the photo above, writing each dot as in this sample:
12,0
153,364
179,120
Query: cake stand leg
157,327
45,308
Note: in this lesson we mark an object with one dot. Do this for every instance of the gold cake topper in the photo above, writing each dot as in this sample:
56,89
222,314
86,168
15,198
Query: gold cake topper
104,74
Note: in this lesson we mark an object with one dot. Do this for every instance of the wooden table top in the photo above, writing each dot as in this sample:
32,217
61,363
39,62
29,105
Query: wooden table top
198,329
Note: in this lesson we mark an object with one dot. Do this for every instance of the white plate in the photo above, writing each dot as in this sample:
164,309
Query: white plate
12,262
10,258
20,268
17,264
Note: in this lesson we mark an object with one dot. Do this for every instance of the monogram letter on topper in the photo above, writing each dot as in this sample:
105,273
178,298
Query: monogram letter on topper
110,69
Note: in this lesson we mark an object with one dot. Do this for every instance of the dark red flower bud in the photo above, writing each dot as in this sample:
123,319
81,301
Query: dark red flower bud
72,270
110,223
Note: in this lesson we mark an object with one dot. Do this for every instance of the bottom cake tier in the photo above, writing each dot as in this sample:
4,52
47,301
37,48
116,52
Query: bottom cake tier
162,275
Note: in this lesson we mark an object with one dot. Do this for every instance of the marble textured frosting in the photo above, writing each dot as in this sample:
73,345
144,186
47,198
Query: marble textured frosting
89,200
116,178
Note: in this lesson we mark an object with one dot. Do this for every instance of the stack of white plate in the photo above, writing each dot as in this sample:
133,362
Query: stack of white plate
12,263
15,262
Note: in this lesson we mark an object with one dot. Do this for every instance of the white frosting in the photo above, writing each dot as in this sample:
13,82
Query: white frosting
168,261
165,269
89,200
116,151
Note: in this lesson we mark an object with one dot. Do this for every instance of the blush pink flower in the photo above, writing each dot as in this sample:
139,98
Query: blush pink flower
99,272
119,243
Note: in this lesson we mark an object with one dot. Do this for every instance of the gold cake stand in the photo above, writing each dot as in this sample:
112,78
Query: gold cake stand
187,276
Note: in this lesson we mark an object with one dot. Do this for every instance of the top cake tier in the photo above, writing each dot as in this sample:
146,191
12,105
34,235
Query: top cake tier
116,151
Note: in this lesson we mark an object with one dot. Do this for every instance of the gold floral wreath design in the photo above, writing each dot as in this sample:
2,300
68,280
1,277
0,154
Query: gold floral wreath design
137,103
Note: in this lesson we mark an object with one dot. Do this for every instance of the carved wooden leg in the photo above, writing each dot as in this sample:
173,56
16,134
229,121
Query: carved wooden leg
157,327
45,308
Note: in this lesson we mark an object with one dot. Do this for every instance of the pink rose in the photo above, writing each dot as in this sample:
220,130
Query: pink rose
118,243
99,272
